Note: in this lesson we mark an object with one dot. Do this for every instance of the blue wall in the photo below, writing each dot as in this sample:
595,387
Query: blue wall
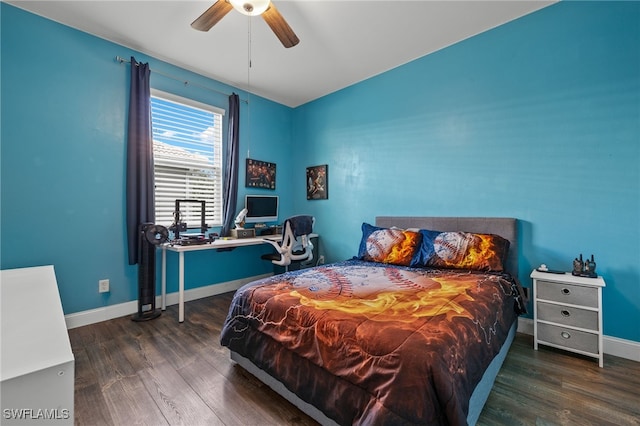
64,104
538,119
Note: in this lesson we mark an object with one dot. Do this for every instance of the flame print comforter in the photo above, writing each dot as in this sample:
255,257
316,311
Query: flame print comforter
370,343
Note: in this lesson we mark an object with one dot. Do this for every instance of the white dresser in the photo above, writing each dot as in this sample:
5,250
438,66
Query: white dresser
567,313
37,365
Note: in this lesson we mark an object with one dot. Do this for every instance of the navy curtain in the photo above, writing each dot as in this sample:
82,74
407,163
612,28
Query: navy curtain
230,186
140,184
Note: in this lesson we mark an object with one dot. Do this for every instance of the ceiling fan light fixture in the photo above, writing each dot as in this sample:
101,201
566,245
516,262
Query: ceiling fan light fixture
250,7
266,8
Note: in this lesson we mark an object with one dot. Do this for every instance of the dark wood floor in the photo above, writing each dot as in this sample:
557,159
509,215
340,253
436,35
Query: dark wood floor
162,372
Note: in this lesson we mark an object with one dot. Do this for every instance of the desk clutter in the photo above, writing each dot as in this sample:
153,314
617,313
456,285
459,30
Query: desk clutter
194,239
199,239
182,238
269,230
243,233
257,231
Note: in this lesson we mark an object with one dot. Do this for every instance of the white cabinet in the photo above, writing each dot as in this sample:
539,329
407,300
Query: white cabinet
37,365
567,313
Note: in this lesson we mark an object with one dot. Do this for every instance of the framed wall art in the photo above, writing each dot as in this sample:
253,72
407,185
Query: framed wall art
260,174
318,182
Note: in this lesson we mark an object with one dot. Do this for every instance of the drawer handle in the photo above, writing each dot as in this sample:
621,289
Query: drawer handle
565,335
566,291
565,313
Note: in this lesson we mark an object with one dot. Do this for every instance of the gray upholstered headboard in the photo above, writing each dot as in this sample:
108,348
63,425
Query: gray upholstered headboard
503,226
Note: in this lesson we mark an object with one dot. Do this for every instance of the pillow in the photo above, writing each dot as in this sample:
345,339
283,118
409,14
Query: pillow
461,250
388,245
426,250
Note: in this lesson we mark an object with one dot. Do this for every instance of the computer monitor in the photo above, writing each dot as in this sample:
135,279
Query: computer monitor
261,208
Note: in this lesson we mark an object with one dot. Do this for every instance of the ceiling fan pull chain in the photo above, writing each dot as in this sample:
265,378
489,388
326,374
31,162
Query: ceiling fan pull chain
249,85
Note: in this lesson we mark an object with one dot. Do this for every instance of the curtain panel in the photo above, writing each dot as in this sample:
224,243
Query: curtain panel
140,179
230,185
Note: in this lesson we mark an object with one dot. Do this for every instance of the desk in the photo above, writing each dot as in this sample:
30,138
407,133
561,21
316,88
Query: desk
221,243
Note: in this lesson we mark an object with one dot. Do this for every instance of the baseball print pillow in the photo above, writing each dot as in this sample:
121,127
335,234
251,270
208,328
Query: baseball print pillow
461,250
388,245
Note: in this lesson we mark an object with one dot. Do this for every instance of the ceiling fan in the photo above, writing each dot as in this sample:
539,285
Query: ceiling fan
266,8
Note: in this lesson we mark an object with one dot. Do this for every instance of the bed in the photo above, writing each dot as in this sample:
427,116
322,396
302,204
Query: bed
412,330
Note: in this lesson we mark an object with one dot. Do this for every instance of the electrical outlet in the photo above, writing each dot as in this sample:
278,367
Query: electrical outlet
321,260
103,286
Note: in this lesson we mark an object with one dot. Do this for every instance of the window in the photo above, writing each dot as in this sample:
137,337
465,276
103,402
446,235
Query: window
187,151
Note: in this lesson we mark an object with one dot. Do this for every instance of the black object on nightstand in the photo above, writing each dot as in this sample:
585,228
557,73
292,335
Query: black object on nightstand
584,268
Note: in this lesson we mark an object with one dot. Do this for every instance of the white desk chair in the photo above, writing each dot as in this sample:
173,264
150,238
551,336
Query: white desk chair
295,244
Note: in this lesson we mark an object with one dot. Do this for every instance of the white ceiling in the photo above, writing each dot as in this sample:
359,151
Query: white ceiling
342,42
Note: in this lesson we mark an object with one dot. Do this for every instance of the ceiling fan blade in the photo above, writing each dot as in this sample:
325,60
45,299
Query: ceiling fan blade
279,26
212,15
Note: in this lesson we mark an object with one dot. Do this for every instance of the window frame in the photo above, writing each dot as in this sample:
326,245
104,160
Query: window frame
165,169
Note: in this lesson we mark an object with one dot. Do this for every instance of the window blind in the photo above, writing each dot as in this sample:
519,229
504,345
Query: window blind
187,150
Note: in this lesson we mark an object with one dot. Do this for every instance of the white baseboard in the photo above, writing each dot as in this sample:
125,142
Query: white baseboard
621,347
93,316
615,346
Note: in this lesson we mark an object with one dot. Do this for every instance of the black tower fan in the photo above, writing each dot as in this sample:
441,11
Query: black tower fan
151,236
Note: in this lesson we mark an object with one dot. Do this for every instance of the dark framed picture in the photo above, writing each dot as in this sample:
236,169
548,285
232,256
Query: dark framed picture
318,182
260,174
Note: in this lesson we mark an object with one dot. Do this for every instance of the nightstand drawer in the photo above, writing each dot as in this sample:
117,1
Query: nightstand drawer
567,293
571,339
565,315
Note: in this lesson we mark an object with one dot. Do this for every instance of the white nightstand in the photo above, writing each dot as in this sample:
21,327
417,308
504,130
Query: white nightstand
567,313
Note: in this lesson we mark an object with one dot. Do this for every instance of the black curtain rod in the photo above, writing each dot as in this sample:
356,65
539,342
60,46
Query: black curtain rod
121,60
